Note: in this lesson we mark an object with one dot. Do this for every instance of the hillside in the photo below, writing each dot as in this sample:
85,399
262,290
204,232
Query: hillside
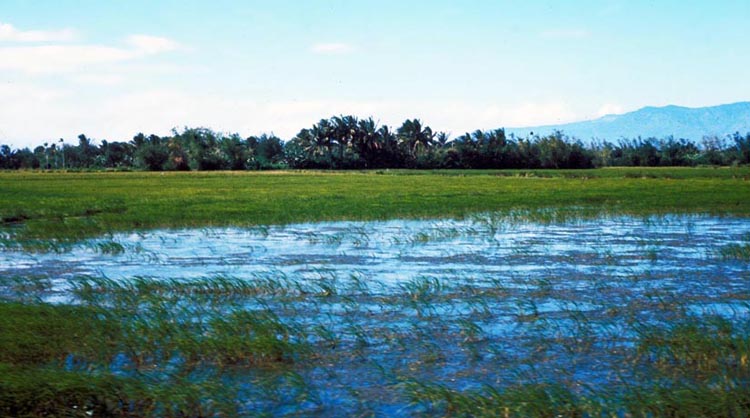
678,121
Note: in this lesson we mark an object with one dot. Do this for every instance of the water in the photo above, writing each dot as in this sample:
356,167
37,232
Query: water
393,252
465,303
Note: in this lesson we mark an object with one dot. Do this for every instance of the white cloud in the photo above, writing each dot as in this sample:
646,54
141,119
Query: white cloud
335,48
58,58
65,58
147,44
9,33
610,109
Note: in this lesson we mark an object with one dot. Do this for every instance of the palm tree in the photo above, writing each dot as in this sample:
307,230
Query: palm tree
46,155
321,139
366,140
62,151
416,138
303,138
442,139
344,131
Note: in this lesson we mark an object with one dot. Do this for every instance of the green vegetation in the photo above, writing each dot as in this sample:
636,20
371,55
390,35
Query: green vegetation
346,142
71,206
222,346
612,344
737,251
36,341
59,359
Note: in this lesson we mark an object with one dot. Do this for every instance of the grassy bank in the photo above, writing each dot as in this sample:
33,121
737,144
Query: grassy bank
74,205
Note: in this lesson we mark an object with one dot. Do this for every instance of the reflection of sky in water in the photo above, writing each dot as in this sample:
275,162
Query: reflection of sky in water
557,272
678,251
394,251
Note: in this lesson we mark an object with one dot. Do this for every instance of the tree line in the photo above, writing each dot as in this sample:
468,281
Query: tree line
348,142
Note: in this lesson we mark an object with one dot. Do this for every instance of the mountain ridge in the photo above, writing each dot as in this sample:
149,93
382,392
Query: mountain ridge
654,121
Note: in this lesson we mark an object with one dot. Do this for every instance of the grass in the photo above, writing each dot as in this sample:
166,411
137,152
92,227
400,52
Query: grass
139,348
37,341
42,392
133,349
40,334
736,251
38,206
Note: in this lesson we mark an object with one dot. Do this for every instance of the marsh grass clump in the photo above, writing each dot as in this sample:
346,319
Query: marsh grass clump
219,290
110,247
698,349
48,363
735,252
140,340
42,392
687,400
38,334
694,366
252,338
157,324
425,294
530,400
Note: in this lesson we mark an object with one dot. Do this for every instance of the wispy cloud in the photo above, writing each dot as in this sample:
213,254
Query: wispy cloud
9,33
565,34
66,58
333,48
58,58
610,109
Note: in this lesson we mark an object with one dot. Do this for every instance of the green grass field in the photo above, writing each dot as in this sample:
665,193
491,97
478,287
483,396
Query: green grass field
75,205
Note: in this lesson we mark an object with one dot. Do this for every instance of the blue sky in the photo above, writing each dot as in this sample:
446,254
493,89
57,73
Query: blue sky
110,69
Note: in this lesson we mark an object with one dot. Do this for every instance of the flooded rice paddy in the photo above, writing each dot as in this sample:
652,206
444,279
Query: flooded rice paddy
405,317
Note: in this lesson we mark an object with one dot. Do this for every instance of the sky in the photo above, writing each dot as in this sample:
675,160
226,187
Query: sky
111,69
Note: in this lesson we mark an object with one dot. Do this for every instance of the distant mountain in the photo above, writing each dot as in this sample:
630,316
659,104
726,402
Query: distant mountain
659,122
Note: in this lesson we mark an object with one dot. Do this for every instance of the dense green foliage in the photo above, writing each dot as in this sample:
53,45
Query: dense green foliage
67,206
346,142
